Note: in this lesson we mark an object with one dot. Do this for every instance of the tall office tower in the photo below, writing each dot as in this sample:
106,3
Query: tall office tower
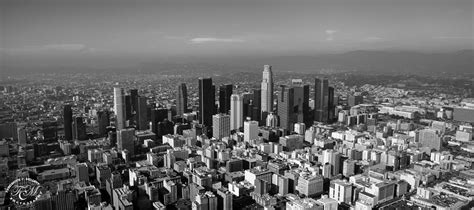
321,100
67,112
158,116
267,89
247,105
286,107
224,199
78,128
250,130
104,120
340,190
134,100
129,114
21,136
182,99
225,91
236,111
331,106
207,97
257,105
220,126
82,172
353,100
333,158
119,107
126,140
272,120
142,122
301,105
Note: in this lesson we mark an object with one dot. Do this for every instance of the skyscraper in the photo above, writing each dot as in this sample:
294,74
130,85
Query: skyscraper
236,111
221,125
67,112
301,104
267,89
119,107
125,140
182,99
141,113
78,128
206,101
225,91
103,117
256,112
321,100
250,130
286,107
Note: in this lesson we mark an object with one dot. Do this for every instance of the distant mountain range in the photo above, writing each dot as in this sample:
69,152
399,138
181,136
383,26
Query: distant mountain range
378,62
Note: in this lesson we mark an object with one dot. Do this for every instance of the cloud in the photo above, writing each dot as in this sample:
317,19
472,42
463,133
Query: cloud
453,37
373,39
330,34
51,48
202,40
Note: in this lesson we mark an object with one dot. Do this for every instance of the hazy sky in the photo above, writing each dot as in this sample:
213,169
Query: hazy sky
232,27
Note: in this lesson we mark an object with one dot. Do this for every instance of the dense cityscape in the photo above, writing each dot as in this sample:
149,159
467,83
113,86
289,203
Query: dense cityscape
268,140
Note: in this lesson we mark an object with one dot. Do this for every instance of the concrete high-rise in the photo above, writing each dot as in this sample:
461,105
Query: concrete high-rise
119,107
78,128
207,97
67,115
236,111
321,100
250,130
182,99
221,126
225,92
267,89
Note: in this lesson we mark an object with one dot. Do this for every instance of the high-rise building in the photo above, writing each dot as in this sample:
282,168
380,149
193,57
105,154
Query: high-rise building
119,107
353,100
341,191
78,128
225,92
267,89
103,117
67,112
256,111
272,120
141,113
236,111
286,107
333,158
250,130
134,100
431,138
182,100
221,125
321,100
206,101
301,105
82,172
126,140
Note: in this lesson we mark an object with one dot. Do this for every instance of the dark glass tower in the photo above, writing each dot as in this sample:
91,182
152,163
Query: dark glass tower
301,104
141,113
181,100
286,107
206,101
104,120
225,91
67,112
321,100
